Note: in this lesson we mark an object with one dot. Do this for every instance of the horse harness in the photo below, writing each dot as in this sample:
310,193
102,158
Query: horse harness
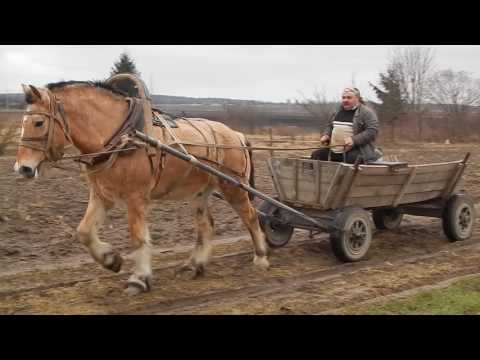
120,142
115,145
44,142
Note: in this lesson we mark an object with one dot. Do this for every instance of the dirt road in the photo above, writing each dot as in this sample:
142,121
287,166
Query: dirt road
44,270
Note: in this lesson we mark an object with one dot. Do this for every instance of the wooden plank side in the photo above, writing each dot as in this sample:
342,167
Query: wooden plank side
375,201
325,171
279,186
328,194
450,188
399,179
306,183
405,187
344,186
421,169
288,189
387,190
318,177
307,197
297,164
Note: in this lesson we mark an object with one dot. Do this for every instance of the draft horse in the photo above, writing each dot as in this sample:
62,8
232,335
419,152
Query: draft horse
88,115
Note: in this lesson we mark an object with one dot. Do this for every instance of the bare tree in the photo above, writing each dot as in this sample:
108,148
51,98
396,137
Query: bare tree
246,116
319,107
455,92
413,65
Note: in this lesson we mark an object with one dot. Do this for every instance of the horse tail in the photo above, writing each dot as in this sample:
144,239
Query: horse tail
251,179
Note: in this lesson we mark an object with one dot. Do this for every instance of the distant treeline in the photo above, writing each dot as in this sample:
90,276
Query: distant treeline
16,101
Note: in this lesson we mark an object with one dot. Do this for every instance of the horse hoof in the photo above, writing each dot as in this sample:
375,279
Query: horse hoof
132,290
199,271
136,286
190,272
261,263
114,264
183,269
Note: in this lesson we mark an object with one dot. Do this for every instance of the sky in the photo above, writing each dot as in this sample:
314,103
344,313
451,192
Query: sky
251,72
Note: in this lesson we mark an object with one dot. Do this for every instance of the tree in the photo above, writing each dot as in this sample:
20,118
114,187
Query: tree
125,64
319,107
390,94
455,92
412,66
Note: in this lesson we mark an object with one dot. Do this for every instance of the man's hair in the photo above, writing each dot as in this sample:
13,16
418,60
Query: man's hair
356,92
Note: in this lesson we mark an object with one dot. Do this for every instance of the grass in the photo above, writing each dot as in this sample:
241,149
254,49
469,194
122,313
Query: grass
459,298
8,137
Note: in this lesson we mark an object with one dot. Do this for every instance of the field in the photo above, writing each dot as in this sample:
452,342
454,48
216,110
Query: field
43,270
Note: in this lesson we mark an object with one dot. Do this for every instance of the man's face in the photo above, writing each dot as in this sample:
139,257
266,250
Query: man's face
349,101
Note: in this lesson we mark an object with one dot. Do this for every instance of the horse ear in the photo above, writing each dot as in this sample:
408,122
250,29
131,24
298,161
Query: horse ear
32,94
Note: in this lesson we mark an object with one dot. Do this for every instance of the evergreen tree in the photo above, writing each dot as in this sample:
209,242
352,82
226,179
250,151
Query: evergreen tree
390,94
125,64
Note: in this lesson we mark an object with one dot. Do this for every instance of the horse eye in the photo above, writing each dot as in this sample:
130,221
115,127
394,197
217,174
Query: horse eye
38,123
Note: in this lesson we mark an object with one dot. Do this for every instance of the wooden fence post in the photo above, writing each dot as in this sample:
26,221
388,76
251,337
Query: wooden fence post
270,134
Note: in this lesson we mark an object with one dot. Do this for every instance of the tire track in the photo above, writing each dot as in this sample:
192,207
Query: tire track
96,274
264,285
290,284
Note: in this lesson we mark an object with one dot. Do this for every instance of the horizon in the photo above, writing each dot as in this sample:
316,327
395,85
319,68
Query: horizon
265,73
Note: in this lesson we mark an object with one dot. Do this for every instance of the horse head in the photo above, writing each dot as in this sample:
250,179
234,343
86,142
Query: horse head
44,132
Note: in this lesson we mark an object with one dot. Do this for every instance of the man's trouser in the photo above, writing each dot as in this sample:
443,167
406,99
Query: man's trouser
350,156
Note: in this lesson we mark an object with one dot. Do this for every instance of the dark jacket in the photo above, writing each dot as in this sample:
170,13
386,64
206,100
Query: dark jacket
365,131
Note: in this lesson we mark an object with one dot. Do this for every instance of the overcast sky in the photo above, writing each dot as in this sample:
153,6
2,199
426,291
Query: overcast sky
256,72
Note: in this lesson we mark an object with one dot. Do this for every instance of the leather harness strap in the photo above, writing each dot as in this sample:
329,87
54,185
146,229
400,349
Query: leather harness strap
44,142
115,145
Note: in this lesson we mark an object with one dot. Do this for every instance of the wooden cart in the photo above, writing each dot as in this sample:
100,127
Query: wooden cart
347,197
339,198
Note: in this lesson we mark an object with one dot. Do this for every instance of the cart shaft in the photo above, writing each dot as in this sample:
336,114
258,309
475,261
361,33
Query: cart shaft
320,224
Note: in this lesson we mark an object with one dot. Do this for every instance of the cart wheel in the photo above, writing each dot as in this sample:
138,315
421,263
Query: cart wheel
277,234
388,219
458,217
351,242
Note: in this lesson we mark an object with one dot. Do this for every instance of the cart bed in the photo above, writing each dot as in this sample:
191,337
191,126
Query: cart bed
326,185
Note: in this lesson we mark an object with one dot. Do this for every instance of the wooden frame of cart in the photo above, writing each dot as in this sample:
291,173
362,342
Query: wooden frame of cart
347,197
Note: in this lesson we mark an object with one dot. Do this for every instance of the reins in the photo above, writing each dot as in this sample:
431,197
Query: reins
118,143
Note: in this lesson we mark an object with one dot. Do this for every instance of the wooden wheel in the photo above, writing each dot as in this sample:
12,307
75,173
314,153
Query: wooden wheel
351,241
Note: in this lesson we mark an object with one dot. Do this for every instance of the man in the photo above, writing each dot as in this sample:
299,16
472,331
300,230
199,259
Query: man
351,132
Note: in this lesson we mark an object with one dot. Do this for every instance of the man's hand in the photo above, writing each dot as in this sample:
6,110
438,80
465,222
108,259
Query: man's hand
348,143
324,140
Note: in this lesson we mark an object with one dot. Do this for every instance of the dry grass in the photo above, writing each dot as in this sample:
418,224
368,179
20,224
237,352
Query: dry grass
8,137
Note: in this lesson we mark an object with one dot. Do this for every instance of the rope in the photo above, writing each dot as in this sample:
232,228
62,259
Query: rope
259,147
73,157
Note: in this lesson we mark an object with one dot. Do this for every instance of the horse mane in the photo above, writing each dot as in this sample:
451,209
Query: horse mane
95,84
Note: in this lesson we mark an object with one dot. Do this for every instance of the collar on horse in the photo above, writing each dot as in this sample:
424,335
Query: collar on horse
135,120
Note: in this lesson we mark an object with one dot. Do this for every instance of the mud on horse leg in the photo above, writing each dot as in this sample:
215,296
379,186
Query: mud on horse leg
205,233
240,202
93,219
141,279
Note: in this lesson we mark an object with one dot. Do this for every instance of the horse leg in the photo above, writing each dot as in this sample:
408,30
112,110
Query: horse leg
141,279
205,233
240,202
93,219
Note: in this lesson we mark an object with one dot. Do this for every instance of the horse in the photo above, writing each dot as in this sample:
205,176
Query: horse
86,115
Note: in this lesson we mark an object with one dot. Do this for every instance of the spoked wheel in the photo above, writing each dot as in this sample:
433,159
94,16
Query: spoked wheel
353,238
388,219
458,217
277,233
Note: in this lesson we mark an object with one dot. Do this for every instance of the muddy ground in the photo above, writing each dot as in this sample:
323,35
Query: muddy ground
43,269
